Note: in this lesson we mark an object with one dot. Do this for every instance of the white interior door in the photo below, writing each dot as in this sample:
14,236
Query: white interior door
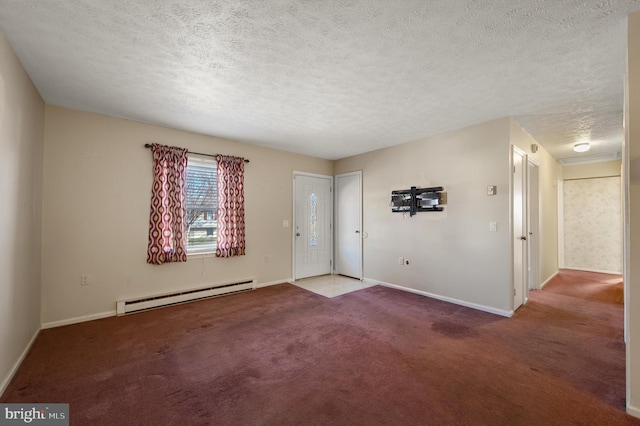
312,225
519,231
349,225
533,215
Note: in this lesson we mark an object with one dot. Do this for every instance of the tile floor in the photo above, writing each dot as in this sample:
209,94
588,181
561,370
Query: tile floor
331,285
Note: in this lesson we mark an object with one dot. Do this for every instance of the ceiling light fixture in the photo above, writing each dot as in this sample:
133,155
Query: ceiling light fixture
581,147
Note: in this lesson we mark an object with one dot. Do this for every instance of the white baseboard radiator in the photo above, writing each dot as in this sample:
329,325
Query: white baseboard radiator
151,302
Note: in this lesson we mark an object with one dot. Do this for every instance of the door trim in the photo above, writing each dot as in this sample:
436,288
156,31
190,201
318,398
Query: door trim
533,213
336,220
293,221
525,290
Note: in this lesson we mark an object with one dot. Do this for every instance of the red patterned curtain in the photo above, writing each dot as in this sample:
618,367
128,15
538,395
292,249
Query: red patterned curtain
167,230
230,206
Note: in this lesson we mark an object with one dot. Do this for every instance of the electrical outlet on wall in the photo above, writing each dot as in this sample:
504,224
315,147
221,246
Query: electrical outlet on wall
85,279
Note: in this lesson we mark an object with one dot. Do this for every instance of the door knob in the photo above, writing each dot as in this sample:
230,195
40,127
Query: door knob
357,232
297,234
523,238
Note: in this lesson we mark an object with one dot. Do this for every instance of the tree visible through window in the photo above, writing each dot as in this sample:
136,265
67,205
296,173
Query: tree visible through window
201,192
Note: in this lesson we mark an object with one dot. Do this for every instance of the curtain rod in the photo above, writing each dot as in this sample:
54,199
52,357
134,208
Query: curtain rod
148,145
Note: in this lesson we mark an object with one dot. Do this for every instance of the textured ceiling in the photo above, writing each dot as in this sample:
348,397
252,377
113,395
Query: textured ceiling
333,78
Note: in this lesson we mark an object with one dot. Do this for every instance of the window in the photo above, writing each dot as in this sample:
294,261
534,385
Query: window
201,191
313,220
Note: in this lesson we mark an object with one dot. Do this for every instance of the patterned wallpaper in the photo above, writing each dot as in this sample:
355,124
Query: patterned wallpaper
593,224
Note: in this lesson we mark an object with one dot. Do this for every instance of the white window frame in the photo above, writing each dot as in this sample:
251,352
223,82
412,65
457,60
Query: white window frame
210,248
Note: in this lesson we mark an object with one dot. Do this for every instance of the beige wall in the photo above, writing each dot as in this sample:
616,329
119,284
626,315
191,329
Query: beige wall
585,171
97,188
550,173
632,220
452,254
21,139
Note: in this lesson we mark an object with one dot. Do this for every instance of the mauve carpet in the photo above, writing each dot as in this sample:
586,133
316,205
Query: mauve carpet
281,355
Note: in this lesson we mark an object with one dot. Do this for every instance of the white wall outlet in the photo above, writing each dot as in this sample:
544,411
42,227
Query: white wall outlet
85,279
400,261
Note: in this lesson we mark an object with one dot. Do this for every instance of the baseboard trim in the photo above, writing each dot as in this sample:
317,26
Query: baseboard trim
107,314
598,271
471,305
633,411
549,279
270,283
76,320
17,364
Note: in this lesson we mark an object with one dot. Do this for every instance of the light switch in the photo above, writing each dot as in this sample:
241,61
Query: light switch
285,223
491,190
493,226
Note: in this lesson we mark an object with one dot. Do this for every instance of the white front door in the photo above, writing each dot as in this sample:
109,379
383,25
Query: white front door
349,225
519,231
312,225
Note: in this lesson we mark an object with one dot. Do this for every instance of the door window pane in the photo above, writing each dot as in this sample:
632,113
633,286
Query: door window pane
313,218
